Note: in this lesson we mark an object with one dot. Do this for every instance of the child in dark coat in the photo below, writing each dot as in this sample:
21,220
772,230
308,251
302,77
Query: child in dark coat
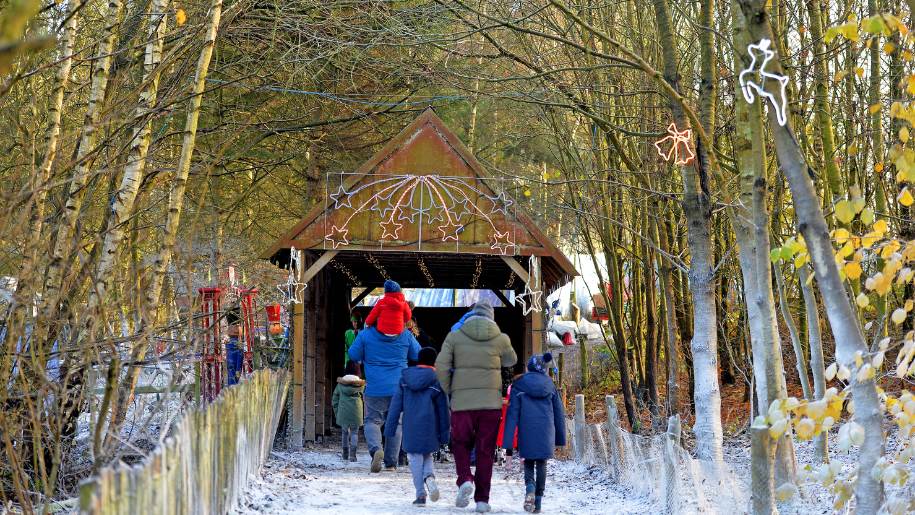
347,403
426,421
535,409
391,313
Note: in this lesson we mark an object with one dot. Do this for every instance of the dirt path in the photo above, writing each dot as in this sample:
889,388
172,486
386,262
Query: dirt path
320,482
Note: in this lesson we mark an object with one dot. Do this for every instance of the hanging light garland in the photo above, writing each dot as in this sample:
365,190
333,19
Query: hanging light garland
425,270
474,282
439,201
343,269
378,266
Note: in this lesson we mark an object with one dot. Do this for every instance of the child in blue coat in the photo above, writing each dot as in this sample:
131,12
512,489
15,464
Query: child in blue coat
535,409
426,421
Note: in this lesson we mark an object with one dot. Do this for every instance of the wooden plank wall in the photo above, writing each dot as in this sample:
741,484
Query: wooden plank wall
204,465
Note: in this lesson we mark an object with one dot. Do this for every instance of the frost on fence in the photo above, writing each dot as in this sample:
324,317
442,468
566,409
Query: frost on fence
658,470
205,463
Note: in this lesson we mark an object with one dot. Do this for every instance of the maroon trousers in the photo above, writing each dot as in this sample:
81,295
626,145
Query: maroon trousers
475,429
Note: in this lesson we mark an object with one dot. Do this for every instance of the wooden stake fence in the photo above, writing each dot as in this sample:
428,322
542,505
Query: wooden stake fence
204,465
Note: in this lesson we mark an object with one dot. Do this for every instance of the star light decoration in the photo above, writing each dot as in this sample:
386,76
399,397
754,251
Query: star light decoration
760,56
677,143
530,300
293,290
440,202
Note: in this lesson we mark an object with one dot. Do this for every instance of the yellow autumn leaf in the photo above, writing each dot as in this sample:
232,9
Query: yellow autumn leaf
847,250
874,108
801,259
898,316
880,226
845,212
905,197
867,216
859,71
862,300
180,17
841,235
805,428
907,55
841,74
527,193
888,48
878,167
904,134
853,270
853,149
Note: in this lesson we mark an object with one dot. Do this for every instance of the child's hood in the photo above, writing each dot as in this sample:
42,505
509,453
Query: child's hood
535,384
395,295
350,380
418,378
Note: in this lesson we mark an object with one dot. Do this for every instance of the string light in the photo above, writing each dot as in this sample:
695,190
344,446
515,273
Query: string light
511,280
425,270
438,201
679,149
748,86
343,269
476,274
374,261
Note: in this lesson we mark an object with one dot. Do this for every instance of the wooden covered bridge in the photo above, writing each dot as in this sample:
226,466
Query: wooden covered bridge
422,211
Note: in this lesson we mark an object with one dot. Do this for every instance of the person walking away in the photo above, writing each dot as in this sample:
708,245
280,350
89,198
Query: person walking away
425,422
347,402
383,359
536,411
349,337
469,369
391,313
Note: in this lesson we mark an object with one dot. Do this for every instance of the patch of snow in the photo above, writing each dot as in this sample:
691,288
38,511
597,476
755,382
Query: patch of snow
319,481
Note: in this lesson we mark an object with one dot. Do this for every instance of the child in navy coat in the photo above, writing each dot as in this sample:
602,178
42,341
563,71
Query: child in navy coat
426,421
535,409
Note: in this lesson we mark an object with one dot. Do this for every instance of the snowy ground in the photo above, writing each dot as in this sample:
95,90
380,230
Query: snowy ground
319,481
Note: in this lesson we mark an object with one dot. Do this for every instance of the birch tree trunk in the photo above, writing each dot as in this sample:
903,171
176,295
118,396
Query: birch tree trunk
821,98
817,363
123,203
842,317
65,229
696,207
175,203
672,342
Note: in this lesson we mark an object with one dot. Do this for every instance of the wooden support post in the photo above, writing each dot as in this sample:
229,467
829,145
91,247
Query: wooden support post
297,413
671,448
614,435
318,265
585,365
762,473
581,428
310,351
363,294
320,308
537,325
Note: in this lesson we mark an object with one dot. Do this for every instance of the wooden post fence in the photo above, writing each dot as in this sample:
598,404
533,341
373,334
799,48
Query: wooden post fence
204,465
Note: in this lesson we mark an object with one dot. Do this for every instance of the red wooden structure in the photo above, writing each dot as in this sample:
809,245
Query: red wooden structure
212,359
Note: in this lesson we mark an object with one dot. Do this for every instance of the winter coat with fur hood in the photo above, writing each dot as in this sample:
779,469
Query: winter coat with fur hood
347,401
426,419
470,364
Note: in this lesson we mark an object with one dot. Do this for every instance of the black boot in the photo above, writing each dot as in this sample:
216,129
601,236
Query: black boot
346,454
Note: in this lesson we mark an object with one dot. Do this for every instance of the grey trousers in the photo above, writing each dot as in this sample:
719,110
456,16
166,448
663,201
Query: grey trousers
421,468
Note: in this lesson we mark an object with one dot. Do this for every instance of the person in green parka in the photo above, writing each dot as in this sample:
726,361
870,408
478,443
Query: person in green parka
347,402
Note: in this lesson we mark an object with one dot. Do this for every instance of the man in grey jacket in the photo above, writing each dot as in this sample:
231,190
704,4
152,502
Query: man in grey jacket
470,371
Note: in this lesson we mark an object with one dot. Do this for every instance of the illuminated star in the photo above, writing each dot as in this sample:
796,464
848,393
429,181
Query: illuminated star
530,300
341,198
500,203
292,290
450,230
501,242
390,229
337,236
679,145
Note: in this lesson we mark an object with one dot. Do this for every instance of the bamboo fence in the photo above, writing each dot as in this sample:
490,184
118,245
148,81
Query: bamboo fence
204,465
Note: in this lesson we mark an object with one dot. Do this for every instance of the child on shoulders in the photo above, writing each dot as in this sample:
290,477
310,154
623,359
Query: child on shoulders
426,422
535,410
391,313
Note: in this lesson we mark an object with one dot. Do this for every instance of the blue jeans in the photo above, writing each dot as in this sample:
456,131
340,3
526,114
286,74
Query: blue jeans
234,361
421,468
376,411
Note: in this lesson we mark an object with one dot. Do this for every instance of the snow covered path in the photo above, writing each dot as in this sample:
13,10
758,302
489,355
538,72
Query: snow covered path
320,482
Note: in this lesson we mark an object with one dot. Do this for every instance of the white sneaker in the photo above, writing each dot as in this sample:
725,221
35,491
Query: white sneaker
482,507
431,488
464,493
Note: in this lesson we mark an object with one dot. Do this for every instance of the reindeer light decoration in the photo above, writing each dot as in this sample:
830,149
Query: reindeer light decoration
761,55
